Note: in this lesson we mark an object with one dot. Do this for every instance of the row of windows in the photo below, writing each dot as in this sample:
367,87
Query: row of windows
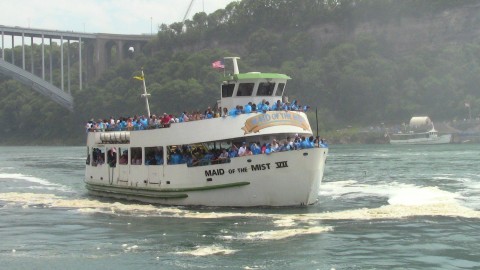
196,154
102,155
200,154
246,89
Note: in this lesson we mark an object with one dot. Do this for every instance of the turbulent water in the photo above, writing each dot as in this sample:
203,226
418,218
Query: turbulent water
380,207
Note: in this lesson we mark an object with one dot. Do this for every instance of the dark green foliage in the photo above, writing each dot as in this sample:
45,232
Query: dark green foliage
353,77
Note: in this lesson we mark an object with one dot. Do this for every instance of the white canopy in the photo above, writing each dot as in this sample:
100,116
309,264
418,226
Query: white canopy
420,121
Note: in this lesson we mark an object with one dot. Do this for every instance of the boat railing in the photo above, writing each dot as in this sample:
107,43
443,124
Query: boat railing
117,127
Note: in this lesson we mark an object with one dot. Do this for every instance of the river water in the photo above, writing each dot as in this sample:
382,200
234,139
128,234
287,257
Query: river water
380,207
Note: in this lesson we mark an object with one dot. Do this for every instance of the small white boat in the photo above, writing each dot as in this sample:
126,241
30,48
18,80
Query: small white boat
283,178
411,136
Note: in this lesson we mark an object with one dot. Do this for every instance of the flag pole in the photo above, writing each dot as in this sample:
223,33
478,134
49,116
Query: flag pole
145,94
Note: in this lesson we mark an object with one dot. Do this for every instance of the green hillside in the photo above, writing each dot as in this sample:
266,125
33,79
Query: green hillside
360,63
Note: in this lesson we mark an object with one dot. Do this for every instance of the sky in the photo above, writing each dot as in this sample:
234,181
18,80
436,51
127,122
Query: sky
101,16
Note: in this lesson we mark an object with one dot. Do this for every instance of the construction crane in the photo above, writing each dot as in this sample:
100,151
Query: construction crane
188,11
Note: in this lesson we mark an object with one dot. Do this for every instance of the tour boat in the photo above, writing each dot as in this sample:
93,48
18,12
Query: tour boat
143,165
417,134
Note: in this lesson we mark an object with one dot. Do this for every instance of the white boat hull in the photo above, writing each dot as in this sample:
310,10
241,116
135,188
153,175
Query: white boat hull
279,179
441,139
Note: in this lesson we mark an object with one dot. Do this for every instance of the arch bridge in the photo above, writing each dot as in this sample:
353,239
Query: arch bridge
94,52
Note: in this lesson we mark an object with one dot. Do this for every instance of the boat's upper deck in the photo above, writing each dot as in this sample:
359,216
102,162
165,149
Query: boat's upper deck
252,104
221,128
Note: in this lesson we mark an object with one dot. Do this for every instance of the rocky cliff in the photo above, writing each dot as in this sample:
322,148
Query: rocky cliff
406,32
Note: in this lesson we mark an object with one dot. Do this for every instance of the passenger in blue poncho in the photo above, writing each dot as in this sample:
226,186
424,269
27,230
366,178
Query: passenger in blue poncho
159,158
176,158
248,108
234,112
143,122
268,150
233,152
255,149
294,105
305,143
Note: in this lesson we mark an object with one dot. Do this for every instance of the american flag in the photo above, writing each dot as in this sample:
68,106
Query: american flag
218,64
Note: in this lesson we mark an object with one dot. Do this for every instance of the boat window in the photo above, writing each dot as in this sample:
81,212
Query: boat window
123,160
198,154
136,156
265,89
245,89
112,157
280,88
154,155
98,156
214,146
176,155
227,90
88,156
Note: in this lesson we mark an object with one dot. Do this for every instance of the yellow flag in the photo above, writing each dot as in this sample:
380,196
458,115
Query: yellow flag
140,78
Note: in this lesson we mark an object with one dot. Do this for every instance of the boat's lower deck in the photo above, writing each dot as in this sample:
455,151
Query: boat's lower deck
278,179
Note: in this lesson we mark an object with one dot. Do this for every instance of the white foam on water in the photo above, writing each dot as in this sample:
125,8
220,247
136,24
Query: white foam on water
28,178
127,248
387,212
352,189
282,234
207,251
83,205
406,201
52,188
403,203
90,206
285,222
395,193
254,267
474,186
213,215
452,178
414,195
471,193
335,189
32,179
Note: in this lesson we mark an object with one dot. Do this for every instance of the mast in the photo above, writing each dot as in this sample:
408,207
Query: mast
145,95
235,65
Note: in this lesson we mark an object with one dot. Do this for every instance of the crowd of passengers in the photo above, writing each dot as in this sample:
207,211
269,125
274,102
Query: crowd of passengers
154,121
200,157
197,156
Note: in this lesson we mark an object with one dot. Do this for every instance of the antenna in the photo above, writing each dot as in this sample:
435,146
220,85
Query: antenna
235,65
